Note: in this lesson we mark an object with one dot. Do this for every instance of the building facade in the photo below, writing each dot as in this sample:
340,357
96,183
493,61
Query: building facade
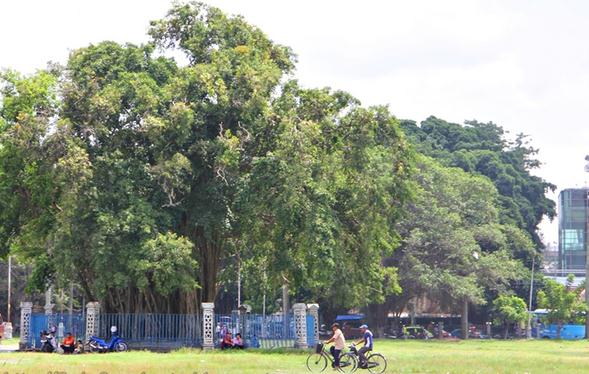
572,230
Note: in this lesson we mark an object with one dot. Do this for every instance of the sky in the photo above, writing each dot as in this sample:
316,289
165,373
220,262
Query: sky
520,64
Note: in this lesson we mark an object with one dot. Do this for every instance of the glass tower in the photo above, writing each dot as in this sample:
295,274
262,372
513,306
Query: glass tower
572,229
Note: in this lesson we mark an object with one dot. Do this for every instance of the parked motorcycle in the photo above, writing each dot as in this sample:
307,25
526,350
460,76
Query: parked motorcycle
116,343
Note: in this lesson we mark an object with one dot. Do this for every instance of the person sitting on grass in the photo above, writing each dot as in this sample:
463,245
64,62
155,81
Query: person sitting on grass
367,340
79,347
227,342
238,341
339,343
68,345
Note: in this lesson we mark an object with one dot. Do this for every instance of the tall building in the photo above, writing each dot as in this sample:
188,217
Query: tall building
572,230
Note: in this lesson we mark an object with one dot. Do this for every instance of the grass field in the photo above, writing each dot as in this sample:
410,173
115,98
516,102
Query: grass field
12,341
474,356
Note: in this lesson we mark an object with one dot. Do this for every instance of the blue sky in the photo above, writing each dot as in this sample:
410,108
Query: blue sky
521,64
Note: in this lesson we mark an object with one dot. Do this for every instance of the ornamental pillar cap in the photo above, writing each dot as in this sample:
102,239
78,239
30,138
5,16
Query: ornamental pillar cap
300,306
208,305
313,306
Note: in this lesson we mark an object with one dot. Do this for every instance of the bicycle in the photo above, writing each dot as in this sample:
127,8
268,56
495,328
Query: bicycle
317,361
375,362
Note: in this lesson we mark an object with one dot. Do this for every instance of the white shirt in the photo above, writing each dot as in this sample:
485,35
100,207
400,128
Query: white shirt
339,341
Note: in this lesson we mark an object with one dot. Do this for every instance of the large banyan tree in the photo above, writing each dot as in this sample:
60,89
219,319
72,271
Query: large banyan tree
140,172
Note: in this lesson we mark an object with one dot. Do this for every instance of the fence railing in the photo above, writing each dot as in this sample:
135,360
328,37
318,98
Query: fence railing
62,323
258,331
154,330
298,329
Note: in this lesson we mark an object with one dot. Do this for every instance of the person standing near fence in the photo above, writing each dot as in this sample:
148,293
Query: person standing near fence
339,343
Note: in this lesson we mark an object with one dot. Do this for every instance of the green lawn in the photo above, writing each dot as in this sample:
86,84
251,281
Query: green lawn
404,357
12,341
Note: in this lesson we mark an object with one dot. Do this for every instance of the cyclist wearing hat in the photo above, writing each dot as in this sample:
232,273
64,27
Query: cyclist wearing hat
367,340
339,343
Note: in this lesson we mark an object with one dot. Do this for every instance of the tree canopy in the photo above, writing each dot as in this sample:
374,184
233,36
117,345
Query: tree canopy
454,247
148,179
562,302
141,177
483,148
509,309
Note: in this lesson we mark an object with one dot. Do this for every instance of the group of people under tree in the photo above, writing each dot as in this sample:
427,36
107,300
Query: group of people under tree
339,343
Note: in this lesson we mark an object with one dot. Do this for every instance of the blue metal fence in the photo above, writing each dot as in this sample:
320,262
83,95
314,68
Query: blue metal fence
310,331
258,331
154,330
39,322
168,331
74,323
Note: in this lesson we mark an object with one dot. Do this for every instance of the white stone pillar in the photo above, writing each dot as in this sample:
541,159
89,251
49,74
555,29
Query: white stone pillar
313,310
300,316
92,318
8,330
26,309
208,324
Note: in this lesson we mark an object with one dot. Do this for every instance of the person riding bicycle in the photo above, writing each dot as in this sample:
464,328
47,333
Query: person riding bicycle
339,343
367,340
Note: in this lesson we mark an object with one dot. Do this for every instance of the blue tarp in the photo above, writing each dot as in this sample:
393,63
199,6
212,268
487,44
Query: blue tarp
349,317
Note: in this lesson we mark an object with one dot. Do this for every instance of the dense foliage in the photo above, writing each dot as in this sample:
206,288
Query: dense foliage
562,302
509,310
148,180
140,178
482,148
454,247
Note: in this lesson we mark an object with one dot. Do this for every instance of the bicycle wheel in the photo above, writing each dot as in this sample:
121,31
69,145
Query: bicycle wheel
316,362
377,364
348,363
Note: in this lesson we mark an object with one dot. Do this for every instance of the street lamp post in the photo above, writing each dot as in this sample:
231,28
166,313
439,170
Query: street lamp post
587,252
238,282
9,288
529,327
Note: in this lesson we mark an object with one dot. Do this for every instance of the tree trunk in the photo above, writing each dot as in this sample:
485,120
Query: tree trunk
85,286
558,328
377,316
506,331
209,252
464,319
